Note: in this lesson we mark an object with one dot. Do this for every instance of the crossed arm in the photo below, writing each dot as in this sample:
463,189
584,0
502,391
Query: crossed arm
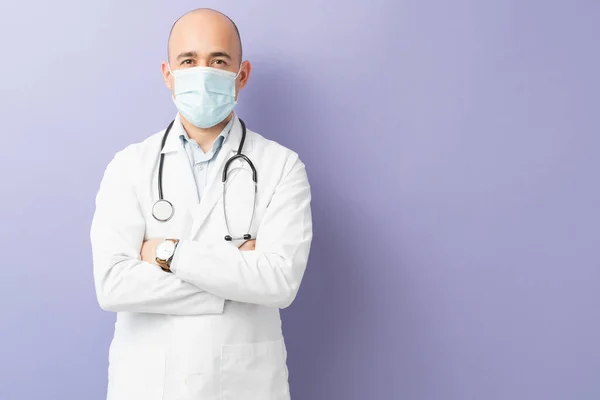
267,272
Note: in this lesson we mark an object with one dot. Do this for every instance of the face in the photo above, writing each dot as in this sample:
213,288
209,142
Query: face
205,39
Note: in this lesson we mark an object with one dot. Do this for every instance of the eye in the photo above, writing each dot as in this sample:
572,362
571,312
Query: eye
219,62
187,61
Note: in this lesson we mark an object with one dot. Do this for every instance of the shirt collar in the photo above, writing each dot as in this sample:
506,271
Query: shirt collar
231,132
219,140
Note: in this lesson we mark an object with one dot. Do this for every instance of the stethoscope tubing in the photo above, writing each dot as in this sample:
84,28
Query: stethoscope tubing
239,155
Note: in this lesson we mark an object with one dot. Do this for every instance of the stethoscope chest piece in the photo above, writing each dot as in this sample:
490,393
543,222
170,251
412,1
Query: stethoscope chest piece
162,210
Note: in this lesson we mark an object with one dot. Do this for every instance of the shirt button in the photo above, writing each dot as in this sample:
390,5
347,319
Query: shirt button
201,167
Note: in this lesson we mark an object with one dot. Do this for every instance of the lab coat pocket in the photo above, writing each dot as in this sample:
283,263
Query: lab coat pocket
254,371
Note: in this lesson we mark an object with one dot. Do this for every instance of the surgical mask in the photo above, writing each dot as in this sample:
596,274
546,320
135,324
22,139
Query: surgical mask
204,96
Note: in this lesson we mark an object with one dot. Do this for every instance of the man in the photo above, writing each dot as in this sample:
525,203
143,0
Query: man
198,315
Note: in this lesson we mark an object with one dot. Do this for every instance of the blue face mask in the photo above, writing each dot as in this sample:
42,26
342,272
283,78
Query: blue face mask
204,96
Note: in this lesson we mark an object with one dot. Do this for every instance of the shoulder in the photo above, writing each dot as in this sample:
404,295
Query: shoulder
279,167
130,159
137,151
274,153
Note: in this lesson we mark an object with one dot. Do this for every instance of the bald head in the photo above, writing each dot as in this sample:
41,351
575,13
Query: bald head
205,38
205,27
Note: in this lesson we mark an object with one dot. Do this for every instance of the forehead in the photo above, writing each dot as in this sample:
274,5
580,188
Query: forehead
203,34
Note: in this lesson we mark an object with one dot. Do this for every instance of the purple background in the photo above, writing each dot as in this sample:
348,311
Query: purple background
452,148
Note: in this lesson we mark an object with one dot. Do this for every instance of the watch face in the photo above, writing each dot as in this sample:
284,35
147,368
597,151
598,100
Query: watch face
165,250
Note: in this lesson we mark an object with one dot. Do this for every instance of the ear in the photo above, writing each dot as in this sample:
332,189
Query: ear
167,76
244,75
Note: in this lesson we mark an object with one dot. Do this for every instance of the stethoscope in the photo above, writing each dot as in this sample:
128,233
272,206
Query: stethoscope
163,210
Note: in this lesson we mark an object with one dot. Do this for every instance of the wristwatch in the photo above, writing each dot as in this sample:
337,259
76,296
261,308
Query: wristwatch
164,253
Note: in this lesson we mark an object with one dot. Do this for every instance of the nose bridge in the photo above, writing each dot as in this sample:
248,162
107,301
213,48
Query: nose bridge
204,57
203,60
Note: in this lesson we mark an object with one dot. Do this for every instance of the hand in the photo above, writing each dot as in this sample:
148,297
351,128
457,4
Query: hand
148,251
248,245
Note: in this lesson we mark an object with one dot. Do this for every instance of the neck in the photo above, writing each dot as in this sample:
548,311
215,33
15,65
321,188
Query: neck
204,136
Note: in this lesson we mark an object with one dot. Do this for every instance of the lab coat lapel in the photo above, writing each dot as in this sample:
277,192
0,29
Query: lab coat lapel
214,186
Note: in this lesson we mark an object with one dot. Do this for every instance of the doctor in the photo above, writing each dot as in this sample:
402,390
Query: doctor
198,269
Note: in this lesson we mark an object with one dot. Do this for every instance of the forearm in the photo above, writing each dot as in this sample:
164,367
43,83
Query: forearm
129,284
258,277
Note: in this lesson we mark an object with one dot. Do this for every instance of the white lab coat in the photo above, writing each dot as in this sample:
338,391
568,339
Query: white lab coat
212,330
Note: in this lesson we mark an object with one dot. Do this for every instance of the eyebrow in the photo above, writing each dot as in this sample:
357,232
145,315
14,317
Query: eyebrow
193,54
187,54
219,54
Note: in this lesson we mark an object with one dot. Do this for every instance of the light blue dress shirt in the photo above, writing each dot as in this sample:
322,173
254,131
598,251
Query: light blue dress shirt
199,160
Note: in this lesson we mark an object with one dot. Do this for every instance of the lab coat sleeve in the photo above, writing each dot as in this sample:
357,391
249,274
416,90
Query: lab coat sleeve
122,280
269,275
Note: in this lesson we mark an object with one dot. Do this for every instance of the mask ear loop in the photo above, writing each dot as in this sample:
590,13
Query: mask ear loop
173,75
240,70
